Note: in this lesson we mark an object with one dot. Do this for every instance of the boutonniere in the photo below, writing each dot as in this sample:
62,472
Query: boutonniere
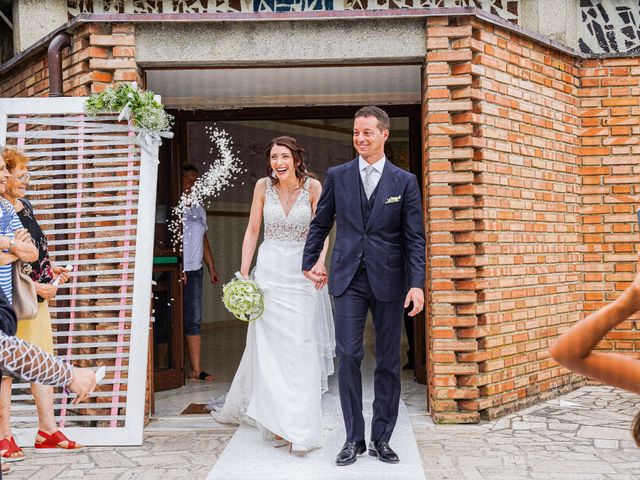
393,199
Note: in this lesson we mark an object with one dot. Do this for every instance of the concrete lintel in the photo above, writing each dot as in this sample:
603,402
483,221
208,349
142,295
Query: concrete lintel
294,42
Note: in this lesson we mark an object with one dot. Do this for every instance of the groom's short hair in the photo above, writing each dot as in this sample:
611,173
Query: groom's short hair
378,113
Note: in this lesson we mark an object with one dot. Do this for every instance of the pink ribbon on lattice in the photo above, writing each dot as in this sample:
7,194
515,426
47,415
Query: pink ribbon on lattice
122,317
76,257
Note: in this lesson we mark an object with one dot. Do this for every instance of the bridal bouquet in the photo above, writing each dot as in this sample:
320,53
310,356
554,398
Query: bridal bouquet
243,298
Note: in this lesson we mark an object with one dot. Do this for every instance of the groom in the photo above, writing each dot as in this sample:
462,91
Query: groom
378,264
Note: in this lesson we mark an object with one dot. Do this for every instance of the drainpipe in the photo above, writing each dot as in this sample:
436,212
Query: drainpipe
54,60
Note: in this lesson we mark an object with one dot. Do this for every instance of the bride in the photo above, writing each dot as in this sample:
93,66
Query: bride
289,350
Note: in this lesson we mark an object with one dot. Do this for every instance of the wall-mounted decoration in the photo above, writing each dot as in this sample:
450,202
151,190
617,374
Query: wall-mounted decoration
507,9
609,26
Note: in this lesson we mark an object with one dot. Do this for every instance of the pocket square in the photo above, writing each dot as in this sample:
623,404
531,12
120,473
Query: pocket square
393,199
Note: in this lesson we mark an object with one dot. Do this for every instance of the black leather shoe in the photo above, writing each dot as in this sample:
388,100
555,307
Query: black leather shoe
383,451
350,451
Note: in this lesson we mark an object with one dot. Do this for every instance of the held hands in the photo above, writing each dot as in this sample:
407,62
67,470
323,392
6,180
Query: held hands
83,383
317,275
415,296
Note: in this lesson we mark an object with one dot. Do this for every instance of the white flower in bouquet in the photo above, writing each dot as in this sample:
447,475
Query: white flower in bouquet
243,298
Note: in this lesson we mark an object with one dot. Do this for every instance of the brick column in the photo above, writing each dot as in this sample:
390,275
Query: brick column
454,226
107,56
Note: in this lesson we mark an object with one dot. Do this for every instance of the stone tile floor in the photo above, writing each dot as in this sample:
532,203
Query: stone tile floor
583,435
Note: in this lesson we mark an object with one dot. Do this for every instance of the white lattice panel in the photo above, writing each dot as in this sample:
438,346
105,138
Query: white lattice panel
93,192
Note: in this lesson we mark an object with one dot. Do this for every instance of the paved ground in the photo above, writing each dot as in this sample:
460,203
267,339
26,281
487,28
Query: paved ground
580,436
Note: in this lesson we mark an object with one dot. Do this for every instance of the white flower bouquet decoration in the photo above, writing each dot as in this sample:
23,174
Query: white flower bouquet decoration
138,107
243,298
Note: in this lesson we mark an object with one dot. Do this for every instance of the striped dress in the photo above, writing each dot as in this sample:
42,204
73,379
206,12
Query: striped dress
9,223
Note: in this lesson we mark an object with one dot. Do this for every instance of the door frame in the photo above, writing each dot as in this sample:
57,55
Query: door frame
412,111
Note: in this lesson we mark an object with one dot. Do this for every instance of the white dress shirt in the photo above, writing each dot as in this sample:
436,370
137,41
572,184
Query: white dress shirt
377,173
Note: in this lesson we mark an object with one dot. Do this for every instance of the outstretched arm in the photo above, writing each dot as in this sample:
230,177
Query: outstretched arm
31,364
320,225
574,348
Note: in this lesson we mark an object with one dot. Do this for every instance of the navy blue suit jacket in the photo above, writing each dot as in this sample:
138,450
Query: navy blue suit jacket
392,243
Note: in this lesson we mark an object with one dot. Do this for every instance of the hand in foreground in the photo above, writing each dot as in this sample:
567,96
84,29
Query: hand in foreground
317,280
415,296
46,290
83,383
22,235
60,272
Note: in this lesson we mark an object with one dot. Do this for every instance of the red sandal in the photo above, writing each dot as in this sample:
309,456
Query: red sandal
53,442
8,447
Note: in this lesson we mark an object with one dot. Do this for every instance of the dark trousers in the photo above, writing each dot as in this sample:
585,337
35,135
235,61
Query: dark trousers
350,318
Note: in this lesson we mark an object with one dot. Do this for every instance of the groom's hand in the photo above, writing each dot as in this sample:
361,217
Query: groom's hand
317,280
415,296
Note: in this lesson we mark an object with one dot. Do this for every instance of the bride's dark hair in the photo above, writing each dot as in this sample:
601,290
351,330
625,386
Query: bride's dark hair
299,158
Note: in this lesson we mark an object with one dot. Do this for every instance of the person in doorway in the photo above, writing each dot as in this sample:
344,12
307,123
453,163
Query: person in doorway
37,330
575,348
195,251
290,348
378,264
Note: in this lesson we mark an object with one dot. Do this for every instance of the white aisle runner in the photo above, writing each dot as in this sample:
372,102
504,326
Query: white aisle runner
249,457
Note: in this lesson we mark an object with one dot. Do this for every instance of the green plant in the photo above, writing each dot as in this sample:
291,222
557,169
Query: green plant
139,107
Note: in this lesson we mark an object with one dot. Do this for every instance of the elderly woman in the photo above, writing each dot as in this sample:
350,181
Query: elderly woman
37,330
20,247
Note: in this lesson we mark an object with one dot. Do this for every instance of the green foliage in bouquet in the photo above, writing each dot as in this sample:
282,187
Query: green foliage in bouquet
139,107
244,299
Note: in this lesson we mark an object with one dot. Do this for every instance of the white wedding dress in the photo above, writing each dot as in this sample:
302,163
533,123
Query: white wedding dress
289,351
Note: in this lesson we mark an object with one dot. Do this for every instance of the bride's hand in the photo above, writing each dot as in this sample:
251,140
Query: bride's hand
320,271
245,275
317,280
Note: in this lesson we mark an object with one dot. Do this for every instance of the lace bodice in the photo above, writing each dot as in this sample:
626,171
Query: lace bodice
293,227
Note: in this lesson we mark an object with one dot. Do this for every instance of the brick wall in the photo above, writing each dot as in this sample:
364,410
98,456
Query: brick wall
527,99
610,147
99,55
530,155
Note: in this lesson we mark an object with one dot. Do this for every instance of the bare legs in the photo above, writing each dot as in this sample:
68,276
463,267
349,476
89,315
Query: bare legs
5,413
43,396
194,343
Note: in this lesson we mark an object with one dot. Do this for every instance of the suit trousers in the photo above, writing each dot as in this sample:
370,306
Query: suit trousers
350,318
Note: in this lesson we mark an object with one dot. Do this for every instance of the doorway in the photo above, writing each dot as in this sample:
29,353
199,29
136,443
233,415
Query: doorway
326,134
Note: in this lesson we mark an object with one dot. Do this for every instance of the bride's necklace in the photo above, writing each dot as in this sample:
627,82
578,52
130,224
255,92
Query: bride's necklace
288,196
